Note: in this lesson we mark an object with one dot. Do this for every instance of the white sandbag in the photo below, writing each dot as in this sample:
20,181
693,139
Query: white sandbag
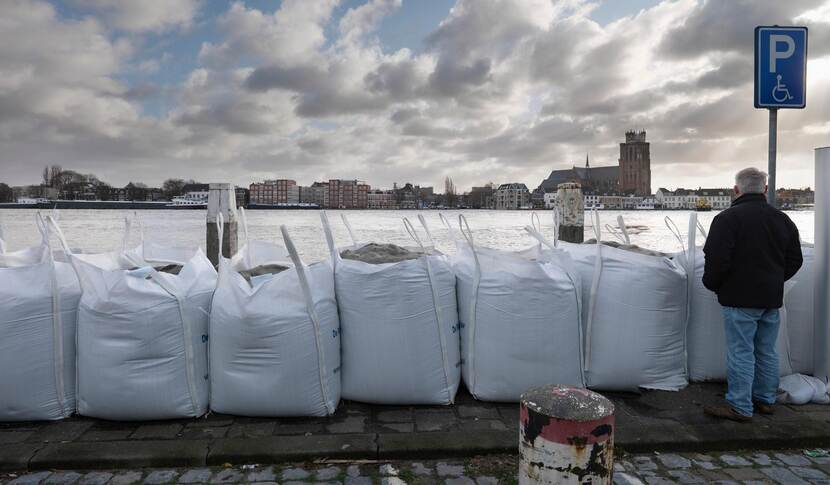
800,319
705,334
634,312
142,333
38,304
274,344
801,389
398,327
519,313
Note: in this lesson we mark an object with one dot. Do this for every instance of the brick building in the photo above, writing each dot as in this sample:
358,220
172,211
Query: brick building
348,194
635,164
270,192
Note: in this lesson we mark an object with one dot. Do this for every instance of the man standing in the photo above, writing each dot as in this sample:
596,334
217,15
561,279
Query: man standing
752,249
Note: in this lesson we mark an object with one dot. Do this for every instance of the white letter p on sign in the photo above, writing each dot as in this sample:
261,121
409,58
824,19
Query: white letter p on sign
775,54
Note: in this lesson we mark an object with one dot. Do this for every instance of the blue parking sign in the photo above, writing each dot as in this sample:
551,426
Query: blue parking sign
780,67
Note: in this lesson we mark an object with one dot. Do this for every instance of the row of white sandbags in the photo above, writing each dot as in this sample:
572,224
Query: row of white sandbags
400,329
275,351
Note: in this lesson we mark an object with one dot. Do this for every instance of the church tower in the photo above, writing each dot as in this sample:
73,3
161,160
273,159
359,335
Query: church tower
635,164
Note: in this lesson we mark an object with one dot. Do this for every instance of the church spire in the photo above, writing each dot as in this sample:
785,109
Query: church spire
587,166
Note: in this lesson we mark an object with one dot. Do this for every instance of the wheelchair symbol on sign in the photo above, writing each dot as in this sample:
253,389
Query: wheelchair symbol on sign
780,93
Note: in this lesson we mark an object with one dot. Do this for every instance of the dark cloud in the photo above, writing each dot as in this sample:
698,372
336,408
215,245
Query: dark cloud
243,117
452,79
398,80
296,78
728,26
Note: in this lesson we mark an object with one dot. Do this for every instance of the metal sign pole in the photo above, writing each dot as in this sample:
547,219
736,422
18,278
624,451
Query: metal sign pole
821,303
773,141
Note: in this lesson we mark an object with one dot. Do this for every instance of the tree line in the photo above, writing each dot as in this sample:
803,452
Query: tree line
67,182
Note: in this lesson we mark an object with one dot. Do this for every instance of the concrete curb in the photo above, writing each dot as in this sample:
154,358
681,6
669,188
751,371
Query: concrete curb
276,449
423,445
443,445
124,454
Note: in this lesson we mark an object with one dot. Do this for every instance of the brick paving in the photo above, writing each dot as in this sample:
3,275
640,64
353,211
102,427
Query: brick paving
744,467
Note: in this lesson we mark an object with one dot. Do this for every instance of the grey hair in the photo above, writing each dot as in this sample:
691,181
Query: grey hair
751,181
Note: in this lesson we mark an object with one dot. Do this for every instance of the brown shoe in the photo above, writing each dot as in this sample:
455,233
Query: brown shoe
762,408
725,411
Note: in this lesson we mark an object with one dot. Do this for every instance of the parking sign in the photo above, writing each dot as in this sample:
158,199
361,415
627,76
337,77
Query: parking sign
780,67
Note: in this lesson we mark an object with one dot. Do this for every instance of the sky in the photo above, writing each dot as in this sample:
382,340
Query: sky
397,90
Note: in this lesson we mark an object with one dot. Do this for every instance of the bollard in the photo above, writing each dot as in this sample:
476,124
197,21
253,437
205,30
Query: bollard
566,435
221,200
571,212
821,304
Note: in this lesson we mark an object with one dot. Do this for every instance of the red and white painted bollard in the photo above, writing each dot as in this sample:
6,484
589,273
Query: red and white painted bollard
566,435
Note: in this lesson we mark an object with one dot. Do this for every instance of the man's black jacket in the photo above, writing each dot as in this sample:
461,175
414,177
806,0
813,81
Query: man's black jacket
752,249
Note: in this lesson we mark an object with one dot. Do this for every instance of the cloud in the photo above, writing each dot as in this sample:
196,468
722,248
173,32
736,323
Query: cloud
728,26
503,90
144,15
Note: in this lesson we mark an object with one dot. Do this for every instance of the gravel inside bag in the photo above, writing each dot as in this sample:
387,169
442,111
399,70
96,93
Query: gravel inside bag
145,271
373,253
170,268
261,270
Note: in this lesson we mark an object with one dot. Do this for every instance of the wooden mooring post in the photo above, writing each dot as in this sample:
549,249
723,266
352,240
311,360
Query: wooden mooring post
221,200
571,212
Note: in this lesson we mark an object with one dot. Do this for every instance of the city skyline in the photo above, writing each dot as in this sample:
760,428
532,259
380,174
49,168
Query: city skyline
395,91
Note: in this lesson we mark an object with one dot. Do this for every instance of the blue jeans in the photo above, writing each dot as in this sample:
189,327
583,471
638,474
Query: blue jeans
751,359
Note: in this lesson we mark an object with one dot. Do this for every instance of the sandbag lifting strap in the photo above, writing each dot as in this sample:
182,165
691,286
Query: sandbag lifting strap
691,264
449,227
436,302
57,323
335,256
128,223
348,228
620,231
577,285
555,213
2,238
244,219
468,235
426,230
312,314
594,288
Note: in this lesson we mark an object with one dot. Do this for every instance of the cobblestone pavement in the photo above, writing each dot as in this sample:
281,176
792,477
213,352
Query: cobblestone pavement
744,467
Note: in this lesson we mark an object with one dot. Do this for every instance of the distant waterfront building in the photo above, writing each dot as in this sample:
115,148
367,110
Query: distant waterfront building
482,197
795,197
348,194
635,164
242,196
512,196
317,193
381,199
550,198
685,199
270,192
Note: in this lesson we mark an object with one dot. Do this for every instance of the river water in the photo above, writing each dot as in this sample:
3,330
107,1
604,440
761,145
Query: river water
101,230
